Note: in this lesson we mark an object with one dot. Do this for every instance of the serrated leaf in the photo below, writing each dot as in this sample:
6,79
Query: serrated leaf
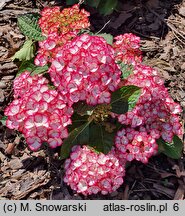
106,7
124,99
3,120
71,2
28,24
82,108
26,52
78,136
107,37
100,139
173,149
125,69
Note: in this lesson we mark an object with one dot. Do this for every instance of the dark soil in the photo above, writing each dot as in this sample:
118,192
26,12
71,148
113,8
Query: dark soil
38,175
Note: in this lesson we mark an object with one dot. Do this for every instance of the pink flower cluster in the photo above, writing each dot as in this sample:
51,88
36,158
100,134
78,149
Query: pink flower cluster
85,69
48,48
39,113
154,116
59,27
89,173
68,20
133,144
126,48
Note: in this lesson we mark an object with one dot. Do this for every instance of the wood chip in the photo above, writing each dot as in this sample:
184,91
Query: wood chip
17,175
2,85
15,164
165,190
179,173
166,174
126,193
2,97
2,157
10,148
3,3
32,186
182,11
179,195
7,68
10,77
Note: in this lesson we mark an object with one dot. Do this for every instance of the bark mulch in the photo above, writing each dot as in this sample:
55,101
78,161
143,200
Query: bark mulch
38,175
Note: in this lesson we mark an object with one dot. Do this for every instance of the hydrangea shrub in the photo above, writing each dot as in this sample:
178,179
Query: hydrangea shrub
94,98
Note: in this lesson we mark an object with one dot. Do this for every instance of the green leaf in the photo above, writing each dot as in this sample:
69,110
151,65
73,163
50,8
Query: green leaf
93,3
124,99
31,67
77,121
106,7
28,24
82,108
26,65
107,37
100,139
26,52
125,69
71,2
78,136
3,120
39,70
173,149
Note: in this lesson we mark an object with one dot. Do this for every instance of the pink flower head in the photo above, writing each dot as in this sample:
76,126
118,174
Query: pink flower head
59,27
41,114
126,48
155,110
68,20
137,145
49,47
23,83
89,173
84,69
